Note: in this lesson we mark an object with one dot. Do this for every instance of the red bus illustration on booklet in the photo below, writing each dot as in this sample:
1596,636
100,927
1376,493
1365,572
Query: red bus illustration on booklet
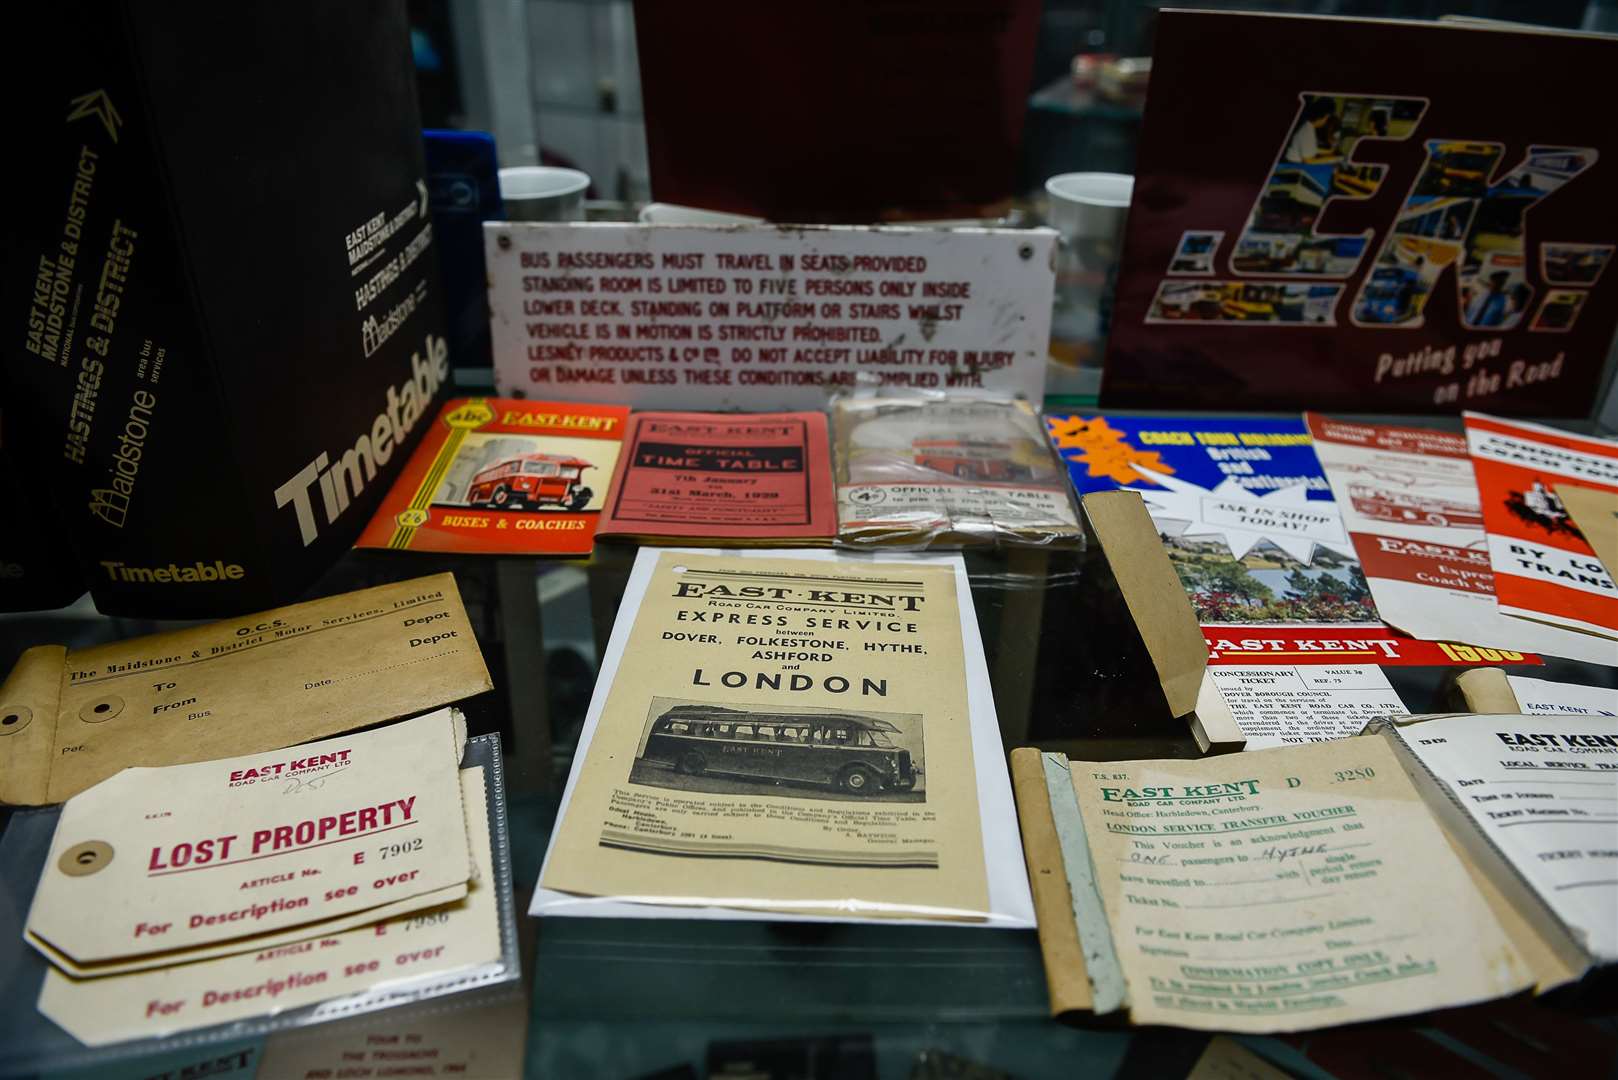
1389,220
498,476
531,480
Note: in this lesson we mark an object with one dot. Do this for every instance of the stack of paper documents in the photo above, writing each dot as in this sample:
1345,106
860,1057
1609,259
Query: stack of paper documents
193,895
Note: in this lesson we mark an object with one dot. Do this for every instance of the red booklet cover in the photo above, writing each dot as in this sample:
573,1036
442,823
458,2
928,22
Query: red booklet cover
726,476
496,476
1544,566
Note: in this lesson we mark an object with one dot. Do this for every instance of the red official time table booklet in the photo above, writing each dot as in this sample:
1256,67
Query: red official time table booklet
496,476
732,477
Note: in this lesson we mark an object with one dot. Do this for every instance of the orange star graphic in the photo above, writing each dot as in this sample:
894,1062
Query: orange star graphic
1102,450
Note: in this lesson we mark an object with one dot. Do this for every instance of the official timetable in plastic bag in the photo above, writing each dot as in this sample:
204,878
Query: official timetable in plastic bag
926,471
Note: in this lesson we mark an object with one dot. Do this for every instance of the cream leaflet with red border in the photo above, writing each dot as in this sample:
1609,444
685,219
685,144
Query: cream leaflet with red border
1411,505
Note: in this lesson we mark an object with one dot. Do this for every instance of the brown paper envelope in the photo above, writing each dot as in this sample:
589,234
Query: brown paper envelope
1595,512
155,860
70,719
1066,976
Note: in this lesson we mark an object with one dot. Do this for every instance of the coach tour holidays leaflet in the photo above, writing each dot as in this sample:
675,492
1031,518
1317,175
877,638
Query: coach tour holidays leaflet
731,478
1242,505
496,476
1279,890
783,735
166,860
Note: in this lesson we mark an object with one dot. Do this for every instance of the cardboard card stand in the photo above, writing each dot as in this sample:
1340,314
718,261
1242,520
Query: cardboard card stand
1142,634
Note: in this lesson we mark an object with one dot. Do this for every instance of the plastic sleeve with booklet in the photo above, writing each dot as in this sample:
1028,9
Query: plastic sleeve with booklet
804,735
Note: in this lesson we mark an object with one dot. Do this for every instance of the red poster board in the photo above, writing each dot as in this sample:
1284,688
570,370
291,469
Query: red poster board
1369,215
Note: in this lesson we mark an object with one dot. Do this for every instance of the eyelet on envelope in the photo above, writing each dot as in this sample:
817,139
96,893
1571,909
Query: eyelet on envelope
86,858
101,709
13,718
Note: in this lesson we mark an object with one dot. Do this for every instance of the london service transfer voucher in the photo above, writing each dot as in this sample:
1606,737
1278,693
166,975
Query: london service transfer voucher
1285,889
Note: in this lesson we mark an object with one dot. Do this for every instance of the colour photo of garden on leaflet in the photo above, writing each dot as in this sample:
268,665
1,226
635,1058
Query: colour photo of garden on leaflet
1243,507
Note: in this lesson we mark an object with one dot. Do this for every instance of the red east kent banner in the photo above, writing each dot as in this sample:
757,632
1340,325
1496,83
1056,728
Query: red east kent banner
1231,646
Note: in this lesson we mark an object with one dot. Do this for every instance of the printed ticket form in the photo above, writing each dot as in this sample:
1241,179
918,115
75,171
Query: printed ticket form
1544,791
1285,889
217,854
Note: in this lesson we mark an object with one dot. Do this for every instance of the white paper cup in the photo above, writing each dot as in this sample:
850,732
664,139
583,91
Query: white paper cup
662,213
1089,205
1088,209
541,193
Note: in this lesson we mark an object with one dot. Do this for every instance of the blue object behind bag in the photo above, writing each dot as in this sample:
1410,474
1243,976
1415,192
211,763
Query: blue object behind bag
463,191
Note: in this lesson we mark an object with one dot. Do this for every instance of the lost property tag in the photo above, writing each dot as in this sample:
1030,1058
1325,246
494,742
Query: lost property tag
155,860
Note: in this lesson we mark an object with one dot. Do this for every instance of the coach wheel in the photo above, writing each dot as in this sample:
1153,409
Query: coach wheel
581,499
692,763
858,780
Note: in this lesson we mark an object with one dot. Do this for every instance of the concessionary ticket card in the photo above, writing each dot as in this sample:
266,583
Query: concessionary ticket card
156,860
417,946
1298,703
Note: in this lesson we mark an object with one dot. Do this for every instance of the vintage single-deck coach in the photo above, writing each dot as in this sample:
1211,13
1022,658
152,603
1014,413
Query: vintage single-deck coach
849,752
532,480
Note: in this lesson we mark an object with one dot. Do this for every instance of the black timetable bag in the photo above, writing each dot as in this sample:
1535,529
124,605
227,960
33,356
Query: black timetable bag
222,333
